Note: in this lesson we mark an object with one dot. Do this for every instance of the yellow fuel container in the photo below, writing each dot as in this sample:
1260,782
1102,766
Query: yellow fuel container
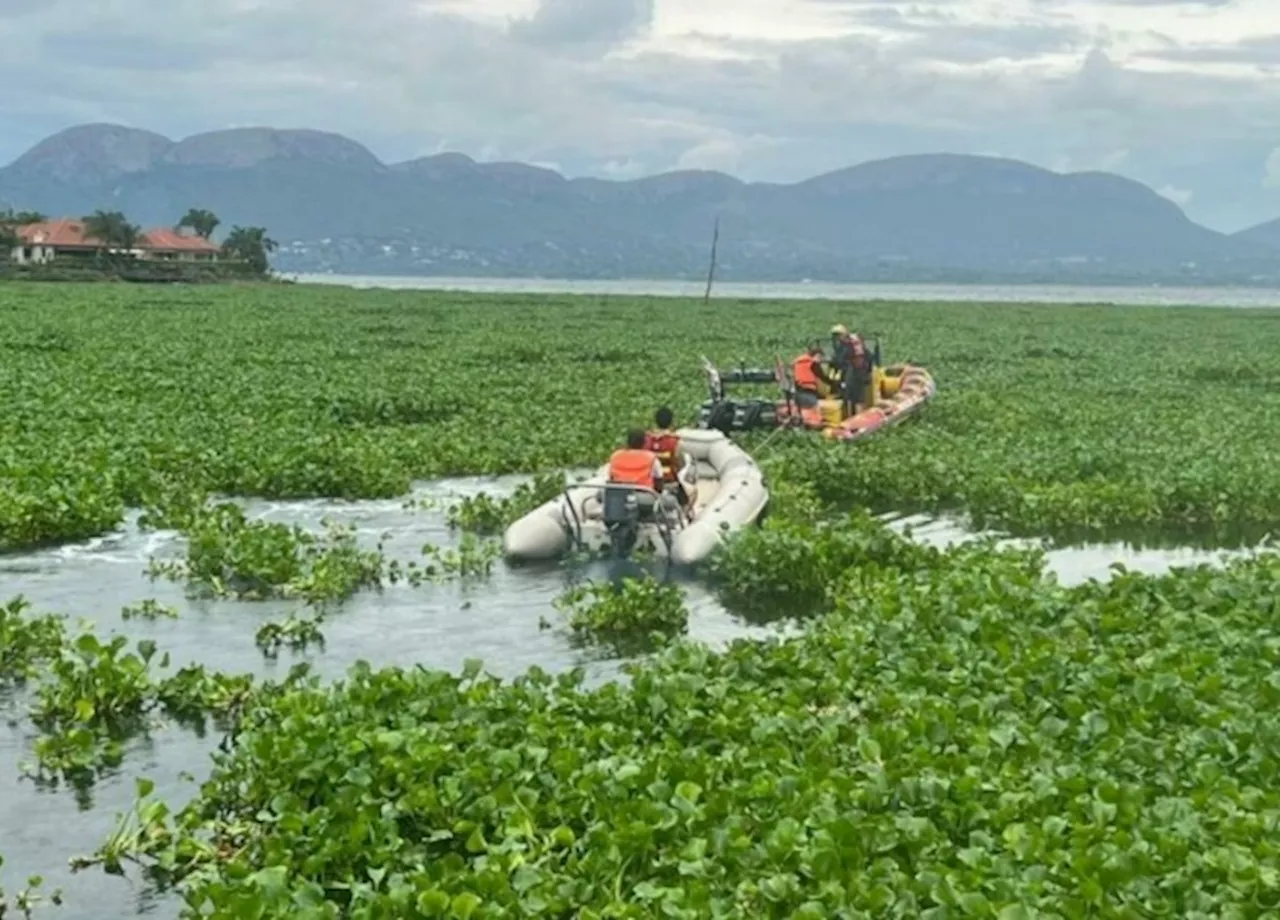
889,384
874,391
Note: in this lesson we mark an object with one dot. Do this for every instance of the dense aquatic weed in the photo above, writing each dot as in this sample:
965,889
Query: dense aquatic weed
784,569
1067,421
959,735
26,642
485,515
229,555
97,694
625,615
91,695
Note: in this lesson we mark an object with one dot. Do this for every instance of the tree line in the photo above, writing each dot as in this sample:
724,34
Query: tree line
113,229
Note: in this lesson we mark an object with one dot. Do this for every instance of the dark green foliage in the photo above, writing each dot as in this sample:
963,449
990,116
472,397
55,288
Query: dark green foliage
202,221
111,230
250,245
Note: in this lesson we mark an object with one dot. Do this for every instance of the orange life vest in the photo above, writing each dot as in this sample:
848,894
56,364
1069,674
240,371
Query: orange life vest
633,467
805,373
664,445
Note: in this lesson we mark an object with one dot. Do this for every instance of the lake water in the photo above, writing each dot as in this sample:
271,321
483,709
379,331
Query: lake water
1154,295
496,619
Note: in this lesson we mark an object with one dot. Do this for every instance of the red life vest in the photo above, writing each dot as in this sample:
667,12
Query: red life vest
857,351
664,445
632,467
805,373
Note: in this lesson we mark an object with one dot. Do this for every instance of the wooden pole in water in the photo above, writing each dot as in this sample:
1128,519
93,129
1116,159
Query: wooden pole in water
711,269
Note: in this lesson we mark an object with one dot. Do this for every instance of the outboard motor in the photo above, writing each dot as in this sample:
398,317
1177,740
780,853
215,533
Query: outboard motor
621,515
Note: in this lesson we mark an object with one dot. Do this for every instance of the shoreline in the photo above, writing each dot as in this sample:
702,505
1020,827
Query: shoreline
1095,294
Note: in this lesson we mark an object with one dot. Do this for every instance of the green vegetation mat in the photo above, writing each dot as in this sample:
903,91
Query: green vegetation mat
1071,421
952,733
958,737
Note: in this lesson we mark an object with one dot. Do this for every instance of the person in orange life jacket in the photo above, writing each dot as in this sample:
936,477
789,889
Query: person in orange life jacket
665,443
809,374
635,464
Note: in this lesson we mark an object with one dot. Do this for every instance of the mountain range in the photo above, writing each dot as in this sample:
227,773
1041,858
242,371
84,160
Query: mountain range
334,206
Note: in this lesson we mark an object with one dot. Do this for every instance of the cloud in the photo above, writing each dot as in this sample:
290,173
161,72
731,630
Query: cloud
1170,93
585,21
1263,50
946,35
1179,196
1167,3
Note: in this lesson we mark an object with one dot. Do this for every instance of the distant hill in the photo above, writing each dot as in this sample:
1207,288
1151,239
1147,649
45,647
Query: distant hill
1267,234
334,206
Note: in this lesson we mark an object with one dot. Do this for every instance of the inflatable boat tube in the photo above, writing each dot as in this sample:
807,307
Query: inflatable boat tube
730,495
904,389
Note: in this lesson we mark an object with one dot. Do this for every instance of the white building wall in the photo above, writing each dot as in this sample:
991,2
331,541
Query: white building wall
31,254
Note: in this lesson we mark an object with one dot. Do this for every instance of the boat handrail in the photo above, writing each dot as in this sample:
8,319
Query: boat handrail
664,526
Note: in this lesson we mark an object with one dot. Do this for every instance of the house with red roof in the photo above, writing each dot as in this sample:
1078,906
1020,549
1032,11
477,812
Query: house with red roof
66,238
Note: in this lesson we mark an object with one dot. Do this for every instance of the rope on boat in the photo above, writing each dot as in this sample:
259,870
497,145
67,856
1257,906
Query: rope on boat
773,434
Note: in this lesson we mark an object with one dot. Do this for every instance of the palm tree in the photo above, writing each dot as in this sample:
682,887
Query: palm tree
12,218
10,222
250,245
201,221
112,229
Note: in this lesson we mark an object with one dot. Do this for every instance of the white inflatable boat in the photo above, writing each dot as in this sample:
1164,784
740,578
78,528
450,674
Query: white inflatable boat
596,515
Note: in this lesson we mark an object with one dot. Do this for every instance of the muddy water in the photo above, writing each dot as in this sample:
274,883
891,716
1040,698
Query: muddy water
496,620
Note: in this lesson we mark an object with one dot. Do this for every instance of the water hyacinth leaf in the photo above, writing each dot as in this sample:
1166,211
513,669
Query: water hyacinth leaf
434,903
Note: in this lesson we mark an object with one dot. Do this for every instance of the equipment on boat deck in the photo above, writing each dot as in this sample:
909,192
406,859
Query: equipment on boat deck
891,393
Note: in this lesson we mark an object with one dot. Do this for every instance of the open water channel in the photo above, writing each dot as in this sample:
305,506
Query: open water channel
496,619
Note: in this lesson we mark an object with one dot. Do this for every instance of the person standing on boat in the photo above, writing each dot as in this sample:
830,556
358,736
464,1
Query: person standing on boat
665,444
850,360
848,347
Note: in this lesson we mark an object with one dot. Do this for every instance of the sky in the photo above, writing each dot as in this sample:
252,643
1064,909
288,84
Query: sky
1183,96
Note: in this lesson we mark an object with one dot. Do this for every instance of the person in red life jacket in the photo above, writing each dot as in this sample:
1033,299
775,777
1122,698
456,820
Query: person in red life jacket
850,360
635,464
848,347
665,444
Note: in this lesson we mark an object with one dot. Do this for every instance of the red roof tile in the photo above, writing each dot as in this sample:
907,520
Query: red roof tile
167,240
64,233
68,233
